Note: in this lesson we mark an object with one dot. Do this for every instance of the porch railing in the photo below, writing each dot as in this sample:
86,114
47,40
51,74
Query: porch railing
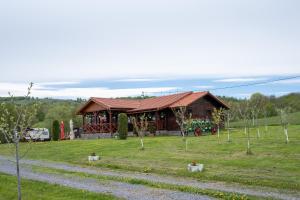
100,128
105,127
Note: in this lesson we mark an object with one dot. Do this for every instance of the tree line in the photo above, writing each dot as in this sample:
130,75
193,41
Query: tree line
270,103
45,111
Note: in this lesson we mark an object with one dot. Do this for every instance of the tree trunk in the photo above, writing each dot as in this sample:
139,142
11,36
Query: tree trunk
228,131
266,125
18,165
286,135
142,143
248,142
218,134
183,136
228,135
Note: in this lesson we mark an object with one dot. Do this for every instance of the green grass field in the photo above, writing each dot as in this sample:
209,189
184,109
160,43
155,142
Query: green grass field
273,163
35,190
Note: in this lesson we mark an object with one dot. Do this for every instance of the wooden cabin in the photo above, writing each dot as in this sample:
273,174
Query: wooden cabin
100,115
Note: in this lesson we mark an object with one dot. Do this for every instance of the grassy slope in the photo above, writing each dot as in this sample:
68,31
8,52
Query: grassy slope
32,190
294,119
273,163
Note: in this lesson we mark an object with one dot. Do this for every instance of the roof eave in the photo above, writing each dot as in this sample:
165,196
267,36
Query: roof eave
92,99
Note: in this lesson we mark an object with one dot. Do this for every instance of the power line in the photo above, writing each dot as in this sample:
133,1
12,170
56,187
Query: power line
256,83
233,86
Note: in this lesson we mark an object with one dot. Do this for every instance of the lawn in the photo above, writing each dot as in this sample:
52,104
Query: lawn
273,163
35,190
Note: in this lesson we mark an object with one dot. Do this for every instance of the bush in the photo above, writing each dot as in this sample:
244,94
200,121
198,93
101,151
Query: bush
152,129
55,130
2,138
122,126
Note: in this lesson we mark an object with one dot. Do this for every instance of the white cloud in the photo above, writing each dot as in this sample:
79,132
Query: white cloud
19,89
16,89
136,80
239,80
57,83
98,92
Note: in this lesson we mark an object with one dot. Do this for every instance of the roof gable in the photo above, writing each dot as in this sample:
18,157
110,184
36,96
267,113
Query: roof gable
189,99
91,106
194,97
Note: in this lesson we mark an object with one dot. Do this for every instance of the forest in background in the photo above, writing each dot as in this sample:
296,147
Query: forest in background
49,109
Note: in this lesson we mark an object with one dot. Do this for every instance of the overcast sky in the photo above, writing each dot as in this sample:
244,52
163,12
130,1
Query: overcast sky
108,48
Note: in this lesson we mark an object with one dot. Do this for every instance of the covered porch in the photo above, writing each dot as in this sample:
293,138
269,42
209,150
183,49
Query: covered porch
155,119
107,121
100,115
100,122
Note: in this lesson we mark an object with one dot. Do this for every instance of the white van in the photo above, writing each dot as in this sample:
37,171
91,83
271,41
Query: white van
41,134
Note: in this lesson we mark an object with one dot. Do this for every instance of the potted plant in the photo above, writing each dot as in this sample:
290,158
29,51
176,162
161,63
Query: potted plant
93,157
195,167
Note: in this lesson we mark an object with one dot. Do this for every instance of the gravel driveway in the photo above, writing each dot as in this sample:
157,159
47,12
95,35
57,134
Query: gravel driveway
119,189
255,191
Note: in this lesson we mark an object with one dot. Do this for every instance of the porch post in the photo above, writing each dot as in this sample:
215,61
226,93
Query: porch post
83,122
83,119
156,120
110,124
94,118
165,119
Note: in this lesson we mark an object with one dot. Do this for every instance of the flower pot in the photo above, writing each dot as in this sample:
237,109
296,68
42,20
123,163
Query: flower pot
195,168
93,158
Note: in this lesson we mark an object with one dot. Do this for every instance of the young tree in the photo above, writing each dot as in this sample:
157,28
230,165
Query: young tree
141,127
283,113
217,115
244,110
182,121
258,103
229,115
13,125
265,121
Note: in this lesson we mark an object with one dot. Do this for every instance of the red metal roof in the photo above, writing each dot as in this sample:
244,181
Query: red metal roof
118,103
161,102
155,103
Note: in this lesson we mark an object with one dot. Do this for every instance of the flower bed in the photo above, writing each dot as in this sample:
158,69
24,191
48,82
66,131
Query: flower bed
201,127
